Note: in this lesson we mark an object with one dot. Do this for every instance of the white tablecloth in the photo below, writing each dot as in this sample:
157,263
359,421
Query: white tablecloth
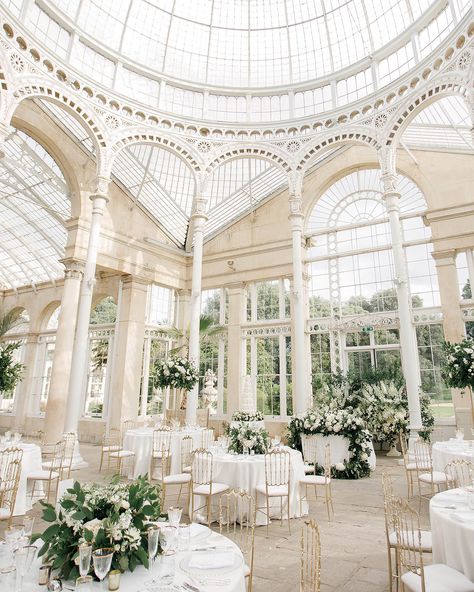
246,472
31,461
133,582
339,446
453,531
445,452
140,441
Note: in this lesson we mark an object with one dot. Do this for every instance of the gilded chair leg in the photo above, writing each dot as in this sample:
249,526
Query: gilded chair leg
101,460
390,573
288,506
209,511
268,514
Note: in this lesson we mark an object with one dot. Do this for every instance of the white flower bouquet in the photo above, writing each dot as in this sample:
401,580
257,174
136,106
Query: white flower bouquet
249,417
245,436
175,372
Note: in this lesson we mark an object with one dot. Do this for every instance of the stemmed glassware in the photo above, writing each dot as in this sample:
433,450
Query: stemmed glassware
168,536
102,560
153,540
85,554
24,557
174,516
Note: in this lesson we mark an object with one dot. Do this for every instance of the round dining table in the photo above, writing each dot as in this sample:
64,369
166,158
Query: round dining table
246,472
140,441
214,563
454,449
452,529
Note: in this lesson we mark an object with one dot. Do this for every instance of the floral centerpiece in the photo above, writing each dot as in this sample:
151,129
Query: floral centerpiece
330,419
242,416
113,515
176,372
458,371
244,436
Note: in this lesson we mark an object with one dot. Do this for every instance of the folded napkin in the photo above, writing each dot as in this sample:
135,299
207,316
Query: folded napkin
211,560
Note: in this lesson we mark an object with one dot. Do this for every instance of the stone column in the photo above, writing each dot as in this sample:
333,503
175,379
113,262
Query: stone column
25,387
124,396
408,345
453,323
299,353
81,351
199,219
61,369
235,353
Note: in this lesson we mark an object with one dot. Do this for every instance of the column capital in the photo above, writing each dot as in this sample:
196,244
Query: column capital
199,209
442,258
133,281
73,268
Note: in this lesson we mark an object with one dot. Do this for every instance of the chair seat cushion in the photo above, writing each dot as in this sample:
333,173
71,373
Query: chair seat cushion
122,454
206,489
426,540
435,477
438,578
177,479
315,480
42,475
273,490
111,448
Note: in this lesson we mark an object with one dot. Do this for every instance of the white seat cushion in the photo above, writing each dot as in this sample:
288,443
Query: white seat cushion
122,454
426,540
315,480
438,578
42,475
435,477
273,490
177,479
205,489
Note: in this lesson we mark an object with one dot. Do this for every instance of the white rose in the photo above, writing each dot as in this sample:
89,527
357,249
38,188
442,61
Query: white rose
339,466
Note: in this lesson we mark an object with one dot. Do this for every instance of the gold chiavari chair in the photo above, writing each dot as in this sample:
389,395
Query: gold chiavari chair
50,475
111,442
129,424
186,454
460,473
237,521
424,470
415,576
320,480
121,456
167,480
207,438
309,448
10,470
68,456
202,483
161,442
410,465
390,533
310,562
277,483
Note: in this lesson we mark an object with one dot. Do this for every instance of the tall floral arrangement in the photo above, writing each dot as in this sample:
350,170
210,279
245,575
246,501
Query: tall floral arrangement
458,371
385,411
114,515
176,372
244,436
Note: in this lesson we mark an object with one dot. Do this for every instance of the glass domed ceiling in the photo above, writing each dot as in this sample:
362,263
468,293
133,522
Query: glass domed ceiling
242,43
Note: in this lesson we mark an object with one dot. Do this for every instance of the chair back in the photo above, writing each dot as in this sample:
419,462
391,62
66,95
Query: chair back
277,467
207,438
423,456
327,461
237,511
408,531
310,562
57,457
128,424
460,473
388,497
309,445
112,438
161,440
201,467
10,469
69,446
186,452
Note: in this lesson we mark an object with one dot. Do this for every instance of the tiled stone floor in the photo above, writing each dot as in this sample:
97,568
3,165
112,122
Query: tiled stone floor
354,556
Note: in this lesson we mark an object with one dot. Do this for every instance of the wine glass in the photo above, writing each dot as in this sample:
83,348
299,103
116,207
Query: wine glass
174,516
85,554
153,540
168,535
24,557
102,560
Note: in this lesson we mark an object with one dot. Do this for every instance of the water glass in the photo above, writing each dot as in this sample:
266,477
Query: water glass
102,560
174,516
184,537
85,554
166,569
168,535
24,557
84,584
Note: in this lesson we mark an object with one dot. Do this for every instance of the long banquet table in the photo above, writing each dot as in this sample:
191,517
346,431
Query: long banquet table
245,472
140,441
213,579
452,529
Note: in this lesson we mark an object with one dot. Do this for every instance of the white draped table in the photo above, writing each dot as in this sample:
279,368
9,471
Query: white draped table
140,441
339,446
134,582
245,472
445,452
452,528
31,461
